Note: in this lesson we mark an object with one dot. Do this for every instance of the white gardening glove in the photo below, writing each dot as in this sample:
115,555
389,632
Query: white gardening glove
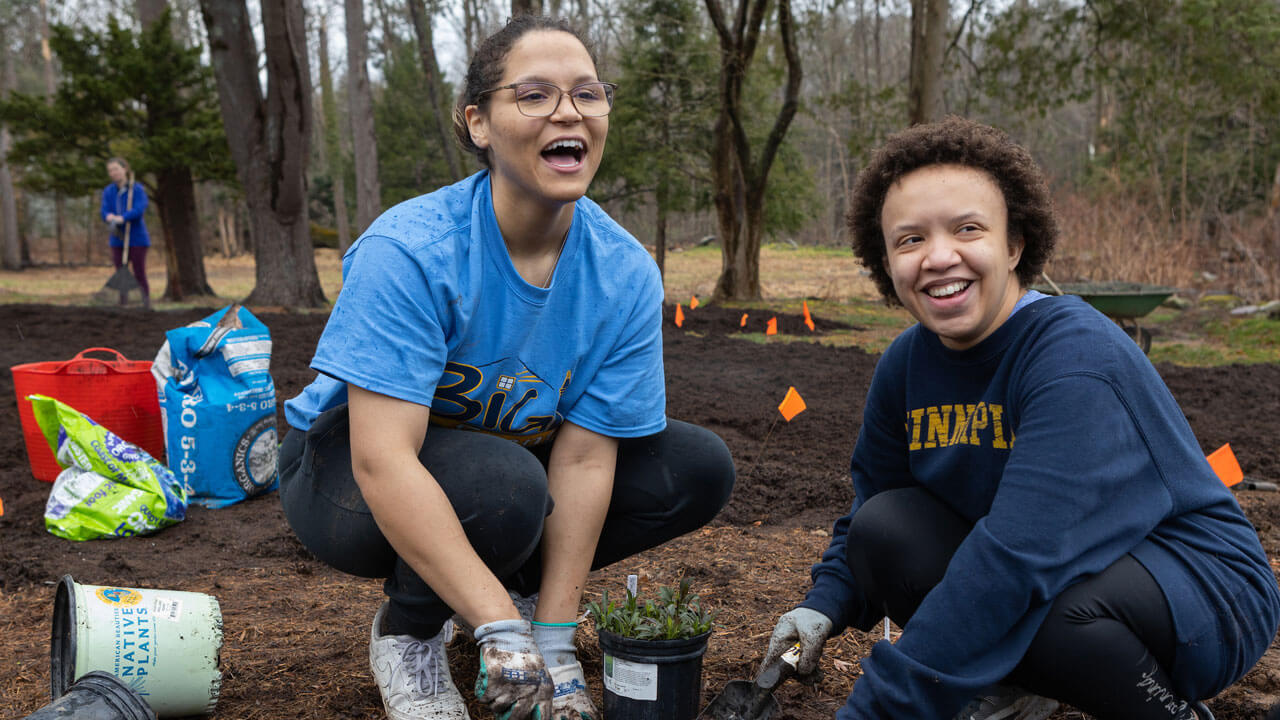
807,627
513,679
571,700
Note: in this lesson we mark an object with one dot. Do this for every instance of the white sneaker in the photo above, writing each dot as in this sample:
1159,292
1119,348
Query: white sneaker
413,675
1004,702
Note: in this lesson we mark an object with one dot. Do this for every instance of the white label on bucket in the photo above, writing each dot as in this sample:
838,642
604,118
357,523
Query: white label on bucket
638,681
167,609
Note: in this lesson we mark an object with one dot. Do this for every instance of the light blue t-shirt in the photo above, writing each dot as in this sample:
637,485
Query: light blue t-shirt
432,311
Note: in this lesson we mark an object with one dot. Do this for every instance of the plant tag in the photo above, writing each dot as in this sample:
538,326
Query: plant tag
792,655
638,681
632,584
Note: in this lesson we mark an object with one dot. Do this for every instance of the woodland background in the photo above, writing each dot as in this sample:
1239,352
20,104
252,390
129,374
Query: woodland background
276,126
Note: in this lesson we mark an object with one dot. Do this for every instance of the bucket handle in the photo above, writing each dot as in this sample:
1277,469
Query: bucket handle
120,358
80,360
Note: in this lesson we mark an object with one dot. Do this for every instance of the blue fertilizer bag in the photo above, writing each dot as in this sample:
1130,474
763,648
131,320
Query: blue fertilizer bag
218,403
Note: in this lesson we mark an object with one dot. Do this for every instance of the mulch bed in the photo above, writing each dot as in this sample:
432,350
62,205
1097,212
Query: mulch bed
296,632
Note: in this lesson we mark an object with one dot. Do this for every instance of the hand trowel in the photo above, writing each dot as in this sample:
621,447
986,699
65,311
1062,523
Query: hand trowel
745,700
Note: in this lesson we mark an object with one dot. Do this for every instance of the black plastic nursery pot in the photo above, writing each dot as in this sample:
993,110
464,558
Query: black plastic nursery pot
652,679
96,696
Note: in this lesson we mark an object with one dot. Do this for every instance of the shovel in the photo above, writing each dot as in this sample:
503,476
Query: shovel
743,700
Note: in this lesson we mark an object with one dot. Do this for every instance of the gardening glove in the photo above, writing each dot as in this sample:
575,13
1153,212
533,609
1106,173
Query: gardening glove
571,700
513,679
807,627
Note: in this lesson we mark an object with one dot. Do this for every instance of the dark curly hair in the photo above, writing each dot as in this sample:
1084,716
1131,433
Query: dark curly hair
954,141
490,62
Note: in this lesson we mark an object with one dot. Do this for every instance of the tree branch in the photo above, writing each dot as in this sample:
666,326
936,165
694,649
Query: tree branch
791,101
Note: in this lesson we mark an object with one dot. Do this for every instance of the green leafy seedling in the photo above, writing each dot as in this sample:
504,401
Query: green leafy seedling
676,613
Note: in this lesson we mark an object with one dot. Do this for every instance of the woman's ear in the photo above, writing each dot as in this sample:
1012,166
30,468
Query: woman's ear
1016,246
477,125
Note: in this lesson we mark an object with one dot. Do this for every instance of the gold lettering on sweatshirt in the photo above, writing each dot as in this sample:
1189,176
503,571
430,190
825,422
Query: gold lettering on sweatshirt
938,426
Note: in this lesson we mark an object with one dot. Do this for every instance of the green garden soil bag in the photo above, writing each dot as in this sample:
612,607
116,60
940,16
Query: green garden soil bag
110,487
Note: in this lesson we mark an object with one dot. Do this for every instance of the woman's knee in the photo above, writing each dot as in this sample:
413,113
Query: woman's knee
344,539
698,464
498,490
905,531
712,466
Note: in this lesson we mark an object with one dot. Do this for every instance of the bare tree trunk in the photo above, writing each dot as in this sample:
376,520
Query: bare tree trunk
224,230
10,240
1274,201
175,199
526,7
332,143
91,224
269,141
740,180
50,87
149,10
11,244
470,24
431,71
178,217
928,44
388,35
368,190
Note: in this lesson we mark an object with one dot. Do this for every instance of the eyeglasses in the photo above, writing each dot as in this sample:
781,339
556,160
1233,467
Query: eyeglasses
538,99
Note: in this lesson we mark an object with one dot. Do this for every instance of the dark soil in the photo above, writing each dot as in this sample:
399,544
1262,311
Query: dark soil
297,632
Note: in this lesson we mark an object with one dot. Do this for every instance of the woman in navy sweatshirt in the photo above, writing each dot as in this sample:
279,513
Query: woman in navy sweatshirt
1031,506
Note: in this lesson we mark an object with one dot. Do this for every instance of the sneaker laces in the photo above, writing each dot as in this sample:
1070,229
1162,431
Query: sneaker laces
524,605
420,661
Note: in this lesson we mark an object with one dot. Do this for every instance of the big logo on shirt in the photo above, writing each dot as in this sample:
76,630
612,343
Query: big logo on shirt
937,426
503,398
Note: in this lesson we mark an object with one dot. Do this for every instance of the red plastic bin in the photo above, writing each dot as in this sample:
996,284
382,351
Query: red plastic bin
118,394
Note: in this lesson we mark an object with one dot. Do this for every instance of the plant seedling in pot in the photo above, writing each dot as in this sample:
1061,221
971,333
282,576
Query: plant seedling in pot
677,613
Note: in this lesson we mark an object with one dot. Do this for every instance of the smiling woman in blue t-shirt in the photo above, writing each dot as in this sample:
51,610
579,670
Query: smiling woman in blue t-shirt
489,424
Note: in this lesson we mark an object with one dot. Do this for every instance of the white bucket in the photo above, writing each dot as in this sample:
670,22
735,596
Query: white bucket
163,644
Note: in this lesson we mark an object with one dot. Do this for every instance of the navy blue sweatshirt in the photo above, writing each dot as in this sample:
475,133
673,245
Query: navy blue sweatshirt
1056,437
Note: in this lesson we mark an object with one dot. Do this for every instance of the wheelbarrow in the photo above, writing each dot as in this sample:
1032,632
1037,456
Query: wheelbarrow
1123,302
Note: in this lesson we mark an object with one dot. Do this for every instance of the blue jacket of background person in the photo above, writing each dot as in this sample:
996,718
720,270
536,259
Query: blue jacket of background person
114,201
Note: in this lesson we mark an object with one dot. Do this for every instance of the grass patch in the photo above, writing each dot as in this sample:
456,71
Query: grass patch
830,279
1245,340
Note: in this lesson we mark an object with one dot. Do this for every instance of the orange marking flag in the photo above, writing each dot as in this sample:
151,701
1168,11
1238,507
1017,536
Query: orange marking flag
693,303
744,320
1,508
1224,463
807,320
792,405
679,316
771,328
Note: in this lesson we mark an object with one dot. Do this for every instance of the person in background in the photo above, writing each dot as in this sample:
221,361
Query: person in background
489,419
124,202
1032,508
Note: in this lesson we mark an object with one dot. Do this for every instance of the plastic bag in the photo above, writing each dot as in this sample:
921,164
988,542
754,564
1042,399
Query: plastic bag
218,404
111,487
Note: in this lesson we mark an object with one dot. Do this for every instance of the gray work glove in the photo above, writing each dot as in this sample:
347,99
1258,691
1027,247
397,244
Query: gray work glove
513,679
810,629
571,701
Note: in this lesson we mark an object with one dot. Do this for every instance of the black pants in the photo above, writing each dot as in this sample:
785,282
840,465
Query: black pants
665,485
1103,648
